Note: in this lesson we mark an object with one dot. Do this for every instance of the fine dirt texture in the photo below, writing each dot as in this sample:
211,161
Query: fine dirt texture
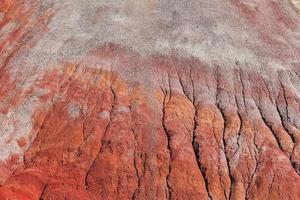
150,99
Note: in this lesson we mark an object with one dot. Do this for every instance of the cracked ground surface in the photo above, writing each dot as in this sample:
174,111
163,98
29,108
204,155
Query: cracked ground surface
149,99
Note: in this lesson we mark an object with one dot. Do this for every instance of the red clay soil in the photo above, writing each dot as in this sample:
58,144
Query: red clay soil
114,121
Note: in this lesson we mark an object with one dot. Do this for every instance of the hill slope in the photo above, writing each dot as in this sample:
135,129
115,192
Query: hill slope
149,99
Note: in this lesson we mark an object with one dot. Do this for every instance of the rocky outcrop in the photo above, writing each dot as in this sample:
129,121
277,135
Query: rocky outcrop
149,100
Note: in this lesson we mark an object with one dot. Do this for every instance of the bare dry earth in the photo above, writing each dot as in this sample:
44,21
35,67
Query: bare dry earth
149,99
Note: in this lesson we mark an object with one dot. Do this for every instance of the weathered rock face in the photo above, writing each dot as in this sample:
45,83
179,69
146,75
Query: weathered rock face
149,99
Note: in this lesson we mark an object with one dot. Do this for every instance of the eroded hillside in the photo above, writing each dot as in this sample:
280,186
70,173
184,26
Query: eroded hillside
149,99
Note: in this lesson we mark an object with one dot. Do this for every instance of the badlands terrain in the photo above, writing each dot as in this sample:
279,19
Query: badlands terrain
150,99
